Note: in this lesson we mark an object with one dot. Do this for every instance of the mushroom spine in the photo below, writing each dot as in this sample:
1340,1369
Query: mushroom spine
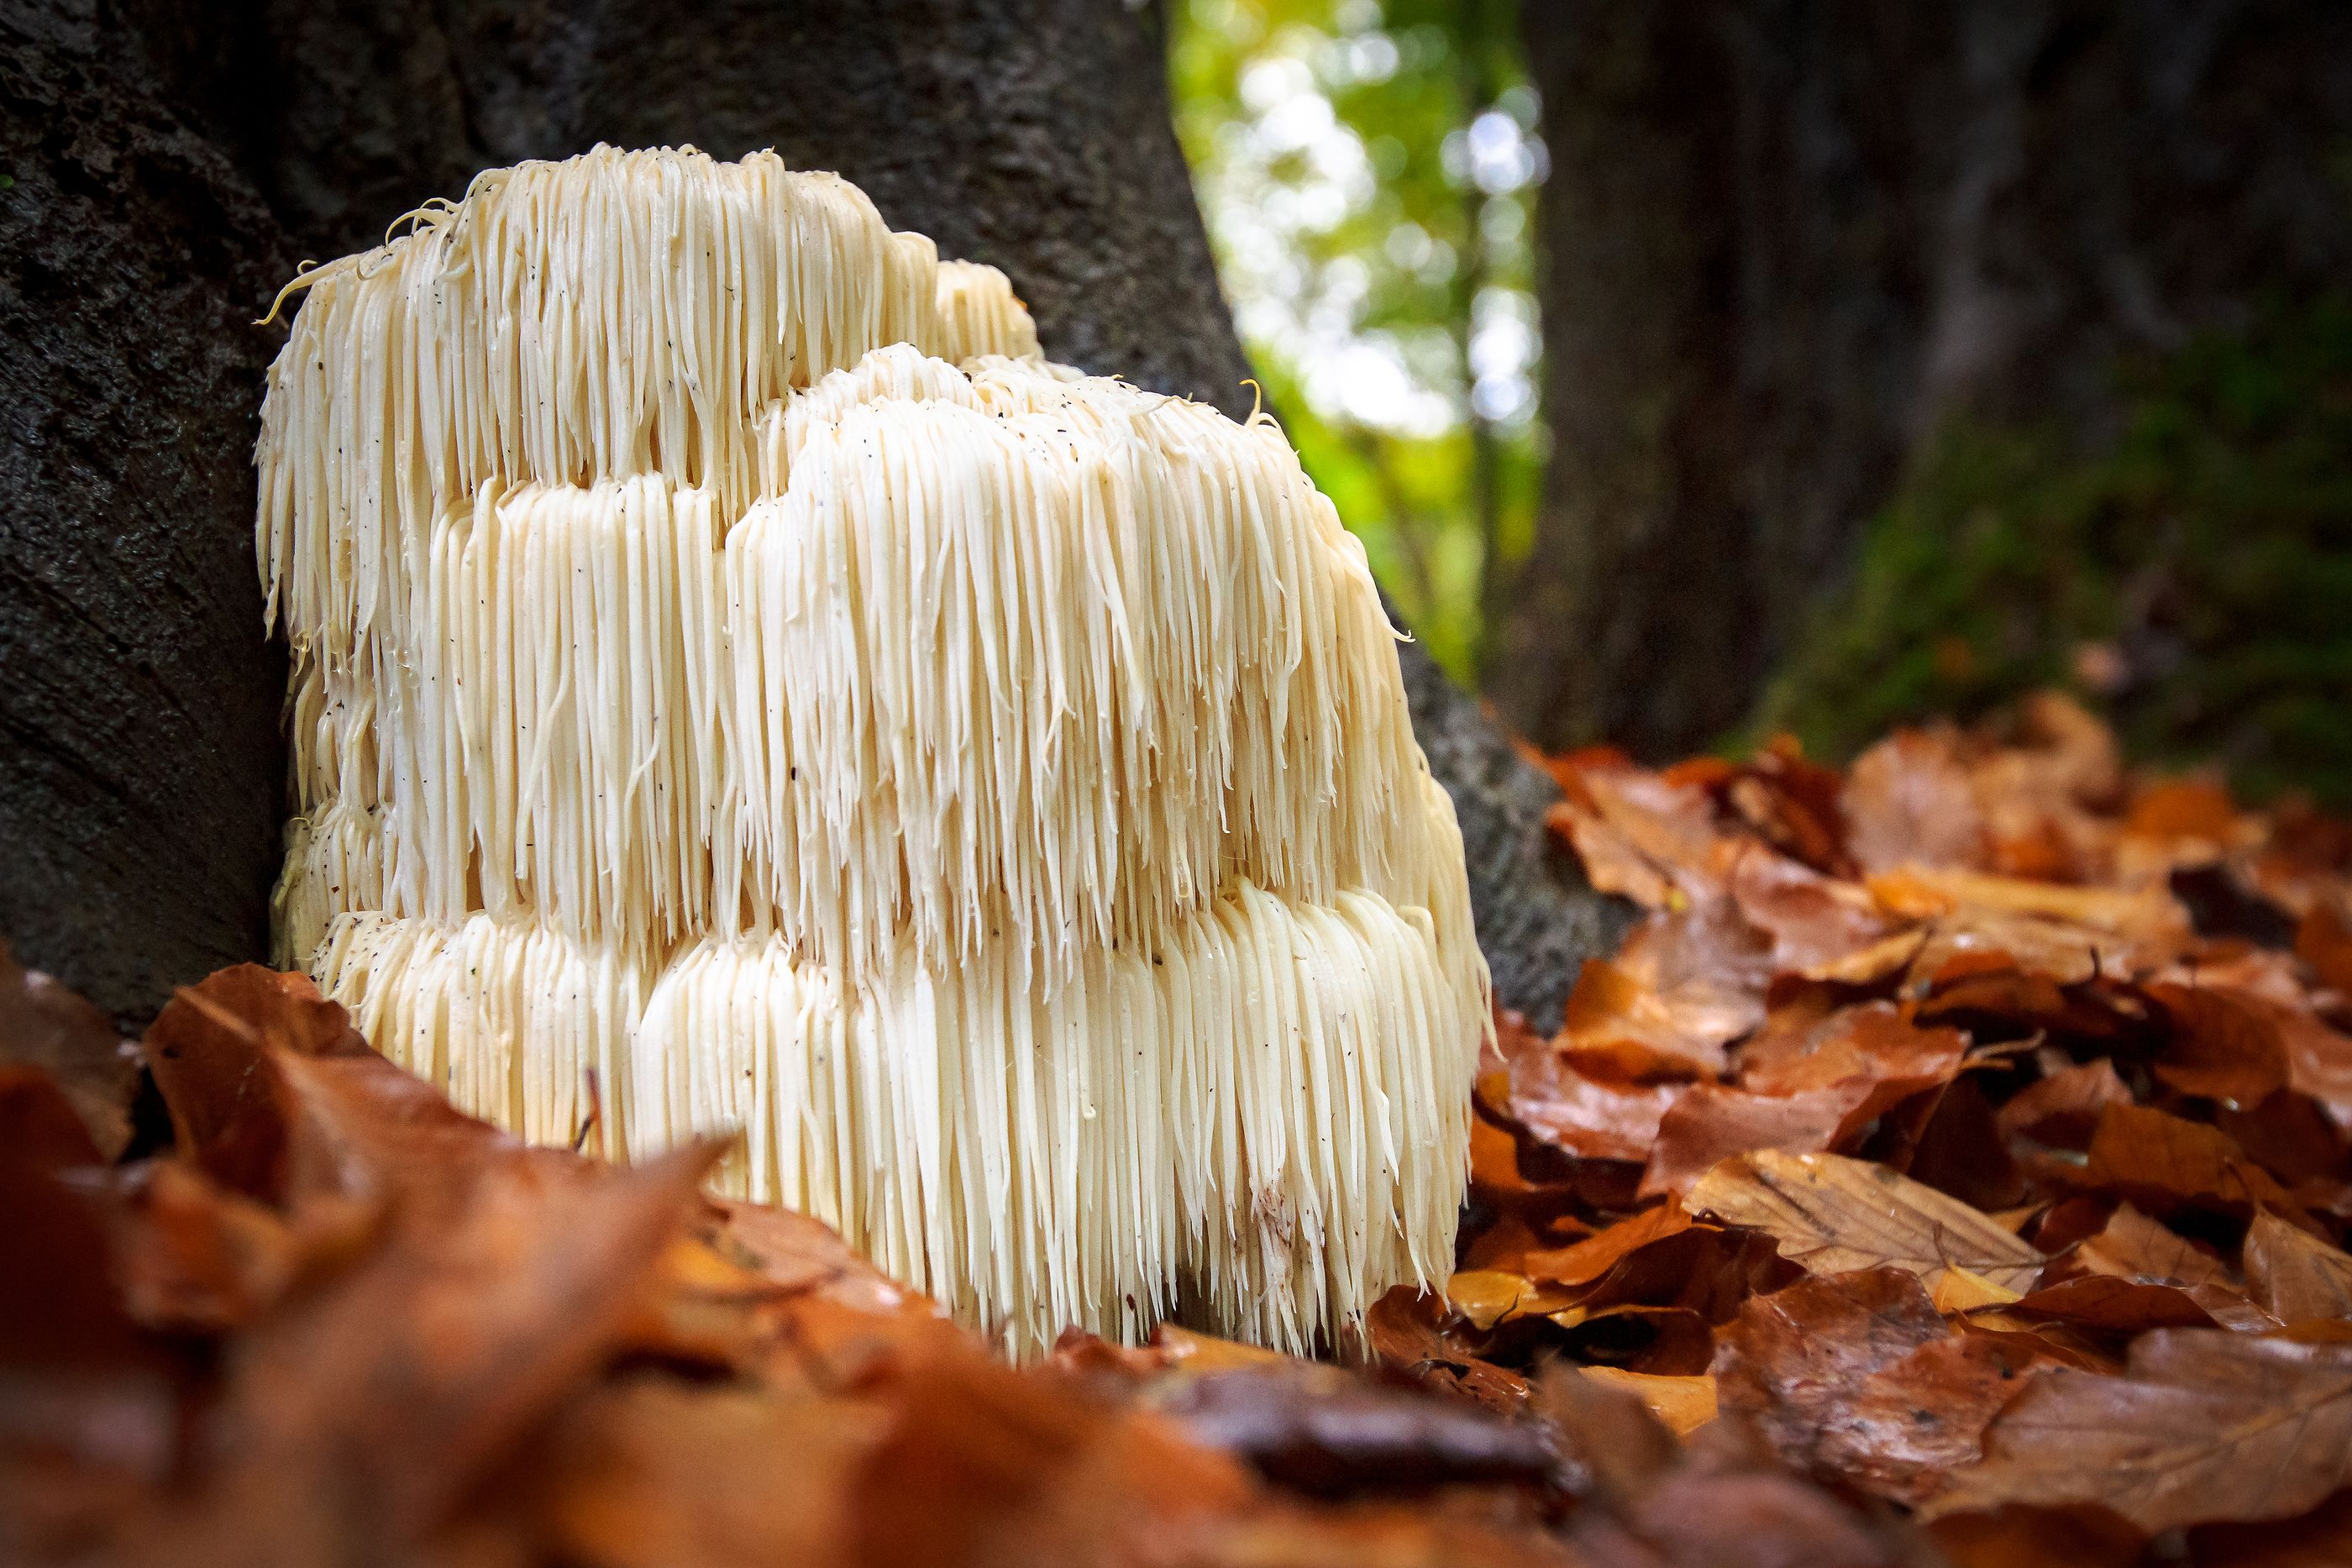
734,670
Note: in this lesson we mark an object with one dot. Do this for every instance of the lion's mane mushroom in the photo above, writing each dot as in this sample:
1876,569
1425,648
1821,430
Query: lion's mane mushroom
734,671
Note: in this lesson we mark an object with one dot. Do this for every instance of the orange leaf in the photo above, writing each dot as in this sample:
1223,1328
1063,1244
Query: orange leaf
1596,1255
1683,1404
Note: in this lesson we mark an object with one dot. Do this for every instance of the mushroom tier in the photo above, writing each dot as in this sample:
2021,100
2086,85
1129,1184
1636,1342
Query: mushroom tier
990,788
1260,1124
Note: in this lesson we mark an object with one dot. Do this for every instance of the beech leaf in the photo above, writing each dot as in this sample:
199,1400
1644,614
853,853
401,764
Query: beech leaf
2204,1426
1830,1214
2295,1276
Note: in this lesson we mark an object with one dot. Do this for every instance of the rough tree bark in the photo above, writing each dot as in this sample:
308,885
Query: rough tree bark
1030,133
140,761
1786,240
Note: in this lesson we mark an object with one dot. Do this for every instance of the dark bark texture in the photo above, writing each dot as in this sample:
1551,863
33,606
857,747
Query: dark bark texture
140,760
1032,134
1787,240
172,160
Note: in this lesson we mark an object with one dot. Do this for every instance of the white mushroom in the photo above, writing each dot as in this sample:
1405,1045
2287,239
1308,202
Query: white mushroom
732,670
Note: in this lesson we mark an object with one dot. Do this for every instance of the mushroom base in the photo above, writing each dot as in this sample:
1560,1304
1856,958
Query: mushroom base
1266,1119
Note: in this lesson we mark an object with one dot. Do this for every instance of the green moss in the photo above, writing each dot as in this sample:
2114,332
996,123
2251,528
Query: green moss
2193,580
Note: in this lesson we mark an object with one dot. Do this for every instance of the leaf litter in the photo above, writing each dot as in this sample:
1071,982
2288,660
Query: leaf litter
1952,1166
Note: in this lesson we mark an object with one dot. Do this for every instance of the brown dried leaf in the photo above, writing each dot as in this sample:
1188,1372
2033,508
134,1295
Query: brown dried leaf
2225,1045
212,1050
2024,1537
2165,1164
1685,985
1813,920
1711,1122
1908,799
39,1125
1020,1469
48,1028
1794,1361
2203,1426
1831,1215
2131,1246
378,1402
1594,1256
2062,1111
2323,941
1683,1404
1410,1333
2295,1275
1586,1115
1329,1433
1873,1041
2150,915
2115,1305
1638,835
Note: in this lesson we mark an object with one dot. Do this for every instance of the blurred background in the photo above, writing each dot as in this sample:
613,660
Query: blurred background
1702,370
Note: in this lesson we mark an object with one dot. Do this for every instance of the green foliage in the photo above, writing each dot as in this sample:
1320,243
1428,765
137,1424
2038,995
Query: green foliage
2194,580
1375,244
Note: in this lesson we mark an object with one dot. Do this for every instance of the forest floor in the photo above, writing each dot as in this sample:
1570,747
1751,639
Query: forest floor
1953,1166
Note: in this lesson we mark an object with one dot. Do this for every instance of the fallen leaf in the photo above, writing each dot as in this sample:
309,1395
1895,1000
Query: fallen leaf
1712,1122
1586,1115
1023,1469
2203,1426
1873,1041
2165,1164
2174,808
2131,1246
1485,1297
213,1050
1408,1332
1685,985
1594,1256
1639,1336
1812,919
2295,1275
1855,1378
48,1029
39,1126
1639,835
1696,1519
2224,1045
2150,915
1831,1215
650,1473
1331,1433
2061,1110
2323,941
1908,801
1683,1404
2115,1305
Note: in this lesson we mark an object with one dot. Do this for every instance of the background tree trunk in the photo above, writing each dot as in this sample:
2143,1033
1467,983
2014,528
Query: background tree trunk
1034,134
1786,240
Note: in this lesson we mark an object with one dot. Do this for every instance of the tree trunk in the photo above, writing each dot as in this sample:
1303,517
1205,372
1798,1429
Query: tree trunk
1032,134
141,769
1787,240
